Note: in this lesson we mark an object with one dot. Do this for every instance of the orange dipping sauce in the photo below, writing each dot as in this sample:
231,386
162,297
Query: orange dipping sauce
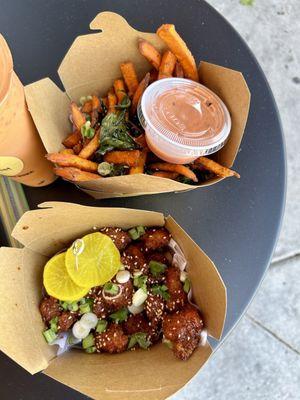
183,120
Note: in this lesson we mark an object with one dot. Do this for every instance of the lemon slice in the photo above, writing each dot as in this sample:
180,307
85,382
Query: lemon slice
57,281
92,260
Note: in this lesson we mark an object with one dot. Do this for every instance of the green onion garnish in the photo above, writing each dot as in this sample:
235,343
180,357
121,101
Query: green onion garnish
187,285
111,288
89,341
139,338
156,267
87,131
136,232
120,315
73,306
101,326
53,324
84,308
168,343
105,168
64,304
90,350
49,335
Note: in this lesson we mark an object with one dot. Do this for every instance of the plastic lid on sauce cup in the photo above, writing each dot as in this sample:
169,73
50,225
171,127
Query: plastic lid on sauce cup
183,120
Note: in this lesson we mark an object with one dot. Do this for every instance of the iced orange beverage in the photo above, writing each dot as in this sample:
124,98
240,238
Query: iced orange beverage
183,120
22,154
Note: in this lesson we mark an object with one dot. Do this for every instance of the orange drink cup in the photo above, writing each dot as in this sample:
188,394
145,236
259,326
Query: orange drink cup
22,154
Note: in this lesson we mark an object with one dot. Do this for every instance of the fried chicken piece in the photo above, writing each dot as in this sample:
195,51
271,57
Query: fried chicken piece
183,329
66,320
178,297
124,299
49,308
156,238
113,340
157,256
156,280
100,307
154,308
138,323
134,259
120,238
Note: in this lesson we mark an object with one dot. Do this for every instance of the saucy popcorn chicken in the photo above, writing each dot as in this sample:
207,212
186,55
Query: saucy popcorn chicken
113,340
143,298
178,297
183,329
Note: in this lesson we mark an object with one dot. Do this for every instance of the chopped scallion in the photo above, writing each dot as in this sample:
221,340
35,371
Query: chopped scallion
156,267
101,326
84,308
49,335
89,341
91,350
187,285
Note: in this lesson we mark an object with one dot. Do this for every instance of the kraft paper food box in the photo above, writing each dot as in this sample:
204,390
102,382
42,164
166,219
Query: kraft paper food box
153,374
105,50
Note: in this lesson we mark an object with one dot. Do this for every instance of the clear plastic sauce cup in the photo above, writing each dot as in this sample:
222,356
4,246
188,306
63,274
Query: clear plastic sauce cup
183,120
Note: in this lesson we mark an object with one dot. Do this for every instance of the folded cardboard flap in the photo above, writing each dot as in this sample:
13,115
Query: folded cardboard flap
134,375
21,325
232,88
103,52
54,226
153,374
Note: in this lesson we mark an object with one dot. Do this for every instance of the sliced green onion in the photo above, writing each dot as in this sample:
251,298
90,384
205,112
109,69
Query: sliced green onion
53,324
187,285
133,234
111,288
90,350
49,335
140,230
88,341
87,131
140,282
105,168
73,306
139,338
64,304
82,301
156,267
101,326
84,308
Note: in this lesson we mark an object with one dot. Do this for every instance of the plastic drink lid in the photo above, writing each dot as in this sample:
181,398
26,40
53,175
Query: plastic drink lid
185,115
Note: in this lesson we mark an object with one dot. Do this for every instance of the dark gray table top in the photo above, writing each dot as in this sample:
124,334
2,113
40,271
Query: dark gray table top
235,222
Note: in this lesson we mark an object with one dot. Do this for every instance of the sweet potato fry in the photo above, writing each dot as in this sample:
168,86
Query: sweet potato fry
78,147
168,34
96,105
112,101
139,92
150,53
166,174
167,65
75,174
77,116
71,160
179,70
67,151
130,77
139,168
72,139
180,169
120,90
91,147
216,168
87,107
129,157
153,75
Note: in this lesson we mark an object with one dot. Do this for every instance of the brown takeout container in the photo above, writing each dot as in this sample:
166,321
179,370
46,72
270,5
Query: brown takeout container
91,65
153,374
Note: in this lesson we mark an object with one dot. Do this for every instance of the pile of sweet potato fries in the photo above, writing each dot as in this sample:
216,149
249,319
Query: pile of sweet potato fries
107,139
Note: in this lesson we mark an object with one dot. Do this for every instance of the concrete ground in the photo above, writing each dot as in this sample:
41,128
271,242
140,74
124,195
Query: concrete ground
261,358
